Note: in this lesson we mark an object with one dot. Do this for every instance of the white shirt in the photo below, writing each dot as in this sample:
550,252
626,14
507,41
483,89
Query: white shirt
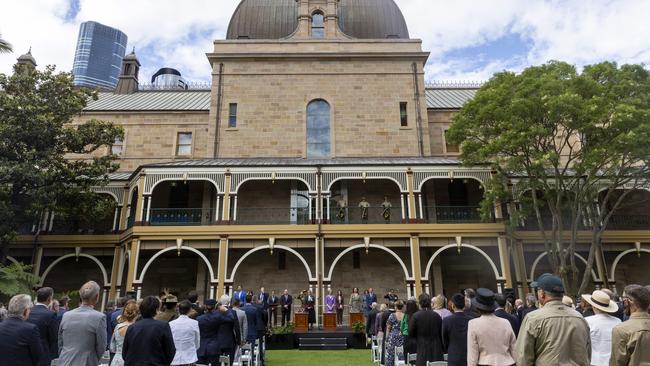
186,339
600,329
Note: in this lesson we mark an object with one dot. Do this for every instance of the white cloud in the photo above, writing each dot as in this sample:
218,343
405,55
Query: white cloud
178,34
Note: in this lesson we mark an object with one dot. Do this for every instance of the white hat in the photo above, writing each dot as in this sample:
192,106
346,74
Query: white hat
600,300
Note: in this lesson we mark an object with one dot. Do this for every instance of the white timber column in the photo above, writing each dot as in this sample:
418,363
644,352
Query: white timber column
402,204
148,215
234,207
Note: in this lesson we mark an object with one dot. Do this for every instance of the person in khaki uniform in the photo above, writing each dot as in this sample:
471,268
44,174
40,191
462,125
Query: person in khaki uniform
170,312
554,334
631,339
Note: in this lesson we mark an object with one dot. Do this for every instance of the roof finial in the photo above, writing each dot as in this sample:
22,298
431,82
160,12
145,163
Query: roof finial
30,50
133,52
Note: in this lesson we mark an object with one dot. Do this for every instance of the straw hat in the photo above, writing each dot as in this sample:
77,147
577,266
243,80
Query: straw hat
600,300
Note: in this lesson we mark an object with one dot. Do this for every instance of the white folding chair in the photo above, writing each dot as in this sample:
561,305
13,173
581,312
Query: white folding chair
437,363
399,356
224,360
374,349
246,358
380,344
257,352
54,362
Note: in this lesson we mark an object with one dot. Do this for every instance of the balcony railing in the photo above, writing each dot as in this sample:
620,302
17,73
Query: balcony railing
369,215
453,214
181,216
272,216
629,222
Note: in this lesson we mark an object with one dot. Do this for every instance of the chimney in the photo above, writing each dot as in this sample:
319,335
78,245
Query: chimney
128,81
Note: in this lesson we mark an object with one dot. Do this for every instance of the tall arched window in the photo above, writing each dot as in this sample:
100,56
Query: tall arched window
317,26
318,129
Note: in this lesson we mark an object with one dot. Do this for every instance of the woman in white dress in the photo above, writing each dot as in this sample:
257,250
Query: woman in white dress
129,315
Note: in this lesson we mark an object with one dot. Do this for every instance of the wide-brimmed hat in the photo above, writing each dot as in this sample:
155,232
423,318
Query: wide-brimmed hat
484,300
170,299
600,300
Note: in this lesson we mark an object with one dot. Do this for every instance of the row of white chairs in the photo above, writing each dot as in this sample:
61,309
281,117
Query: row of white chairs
246,356
401,359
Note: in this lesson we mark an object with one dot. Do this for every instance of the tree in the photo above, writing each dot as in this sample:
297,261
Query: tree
47,162
573,141
15,279
5,47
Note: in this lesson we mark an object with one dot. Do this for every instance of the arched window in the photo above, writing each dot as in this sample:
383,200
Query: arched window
318,129
317,26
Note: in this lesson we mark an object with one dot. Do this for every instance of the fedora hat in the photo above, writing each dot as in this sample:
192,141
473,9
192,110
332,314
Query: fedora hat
484,300
600,300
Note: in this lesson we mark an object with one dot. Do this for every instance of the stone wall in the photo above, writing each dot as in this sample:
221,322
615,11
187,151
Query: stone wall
438,122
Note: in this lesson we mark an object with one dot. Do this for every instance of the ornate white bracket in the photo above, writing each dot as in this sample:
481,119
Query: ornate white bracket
366,242
459,243
179,245
77,251
271,244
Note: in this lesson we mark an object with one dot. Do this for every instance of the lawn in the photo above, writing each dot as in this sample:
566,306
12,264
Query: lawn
330,358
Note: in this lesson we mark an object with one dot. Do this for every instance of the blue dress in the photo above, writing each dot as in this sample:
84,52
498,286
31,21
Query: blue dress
394,339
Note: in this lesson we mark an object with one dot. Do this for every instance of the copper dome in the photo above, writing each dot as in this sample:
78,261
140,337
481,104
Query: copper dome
276,19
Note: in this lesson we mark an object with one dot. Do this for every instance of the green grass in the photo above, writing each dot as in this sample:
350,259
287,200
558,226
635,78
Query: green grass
329,358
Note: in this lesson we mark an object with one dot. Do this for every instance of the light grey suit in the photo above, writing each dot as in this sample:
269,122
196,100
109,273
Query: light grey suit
82,337
243,324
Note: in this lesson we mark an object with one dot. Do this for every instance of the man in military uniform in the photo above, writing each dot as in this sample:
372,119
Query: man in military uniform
169,313
386,207
364,206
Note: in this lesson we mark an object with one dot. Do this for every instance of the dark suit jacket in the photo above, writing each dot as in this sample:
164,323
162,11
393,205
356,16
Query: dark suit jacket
454,337
265,299
48,328
20,344
251,317
148,342
228,333
425,327
370,323
514,322
208,330
287,301
262,318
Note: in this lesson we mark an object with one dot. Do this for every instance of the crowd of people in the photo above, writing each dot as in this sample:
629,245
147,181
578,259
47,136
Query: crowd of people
474,328
483,328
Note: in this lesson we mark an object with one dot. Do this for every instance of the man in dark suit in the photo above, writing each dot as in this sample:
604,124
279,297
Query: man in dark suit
208,351
149,341
45,320
63,307
454,332
21,344
286,302
228,332
262,297
252,318
372,317
501,313
425,326
371,298
272,305
261,326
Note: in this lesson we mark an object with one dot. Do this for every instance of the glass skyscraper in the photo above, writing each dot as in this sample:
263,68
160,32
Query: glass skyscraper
98,59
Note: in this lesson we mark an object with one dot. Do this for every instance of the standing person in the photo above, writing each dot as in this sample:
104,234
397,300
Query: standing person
554,334
340,305
394,333
355,301
63,307
390,296
454,332
251,317
470,294
379,332
208,351
426,327
82,333
370,322
503,314
490,339
261,327
410,343
631,339
149,341
310,304
197,310
185,332
169,313
530,306
286,301
21,344
130,313
601,326
240,294
229,333
243,322
383,325
262,298
112,321
519,309
371,297
45,320
273,303
330,302
440,306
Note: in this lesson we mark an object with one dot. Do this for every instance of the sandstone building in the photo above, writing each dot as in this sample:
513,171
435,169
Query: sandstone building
315,106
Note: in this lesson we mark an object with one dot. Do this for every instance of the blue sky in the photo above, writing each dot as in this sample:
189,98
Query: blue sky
468,39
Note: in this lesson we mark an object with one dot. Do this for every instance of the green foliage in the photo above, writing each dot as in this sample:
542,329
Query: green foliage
46,160
359,327
73,295
565,138
16,278
5,47
284,329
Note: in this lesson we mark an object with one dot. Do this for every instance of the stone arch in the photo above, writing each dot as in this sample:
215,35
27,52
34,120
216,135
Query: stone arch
477,249
289,178
176,179
94,259
401,189
282,247
358,246
425,180
166,250
539,258
620,257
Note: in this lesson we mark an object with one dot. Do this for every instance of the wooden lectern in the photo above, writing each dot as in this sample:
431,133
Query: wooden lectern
356,317
329,322
301,322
